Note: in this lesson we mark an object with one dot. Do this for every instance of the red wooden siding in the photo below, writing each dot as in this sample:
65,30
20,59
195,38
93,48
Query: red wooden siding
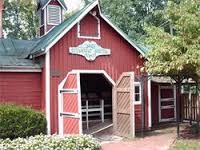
123,58
89,23
21,88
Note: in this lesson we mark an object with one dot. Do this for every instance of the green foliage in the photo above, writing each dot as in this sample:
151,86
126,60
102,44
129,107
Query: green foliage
17,121
132,15
176,54
41,142
20,20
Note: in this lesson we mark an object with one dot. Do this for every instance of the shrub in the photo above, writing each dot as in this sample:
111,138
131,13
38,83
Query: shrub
18,121
44,142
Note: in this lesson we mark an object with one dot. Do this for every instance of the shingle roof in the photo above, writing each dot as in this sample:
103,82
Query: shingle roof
12,61
15,52
55,32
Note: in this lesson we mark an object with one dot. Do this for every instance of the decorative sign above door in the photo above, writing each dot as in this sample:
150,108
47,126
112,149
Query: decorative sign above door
90,50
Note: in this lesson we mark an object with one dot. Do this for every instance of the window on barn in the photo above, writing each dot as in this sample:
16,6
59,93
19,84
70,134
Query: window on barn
53,15
137,93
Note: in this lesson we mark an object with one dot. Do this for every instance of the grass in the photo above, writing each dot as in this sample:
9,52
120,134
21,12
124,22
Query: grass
183,144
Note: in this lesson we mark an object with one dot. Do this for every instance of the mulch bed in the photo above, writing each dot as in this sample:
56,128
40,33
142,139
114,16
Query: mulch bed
189,132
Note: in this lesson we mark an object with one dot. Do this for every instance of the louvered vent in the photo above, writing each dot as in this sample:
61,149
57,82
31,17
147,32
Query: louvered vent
54,15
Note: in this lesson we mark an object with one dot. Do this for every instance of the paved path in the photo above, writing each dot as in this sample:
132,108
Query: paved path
156,142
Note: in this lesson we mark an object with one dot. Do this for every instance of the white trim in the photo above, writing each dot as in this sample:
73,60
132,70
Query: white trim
47,92
72,25
90,37
166,120
166,87
50,1
15,69
149,104
60,17
95,72
140,91
79,103
160,100
95,3
60,102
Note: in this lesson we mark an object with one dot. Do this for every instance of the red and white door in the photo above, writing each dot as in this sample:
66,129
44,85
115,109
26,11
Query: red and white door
70,105
167,103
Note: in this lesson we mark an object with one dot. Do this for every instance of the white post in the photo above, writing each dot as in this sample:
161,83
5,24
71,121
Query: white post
87,120
102,110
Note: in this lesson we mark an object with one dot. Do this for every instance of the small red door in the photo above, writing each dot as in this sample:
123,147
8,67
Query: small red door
70,116
167,103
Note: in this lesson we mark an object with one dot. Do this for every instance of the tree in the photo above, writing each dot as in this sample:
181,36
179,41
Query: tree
132,15
20,19
176,55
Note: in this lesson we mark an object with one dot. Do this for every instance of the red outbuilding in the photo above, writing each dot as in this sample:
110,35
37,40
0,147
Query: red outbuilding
84,73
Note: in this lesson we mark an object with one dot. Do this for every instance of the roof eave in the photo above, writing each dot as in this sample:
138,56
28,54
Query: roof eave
49,2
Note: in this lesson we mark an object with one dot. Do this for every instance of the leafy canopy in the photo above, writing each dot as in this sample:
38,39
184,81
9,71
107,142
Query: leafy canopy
132,15
20,19
176,54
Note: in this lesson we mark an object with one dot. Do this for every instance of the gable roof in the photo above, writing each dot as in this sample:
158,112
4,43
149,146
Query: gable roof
47,41
44,3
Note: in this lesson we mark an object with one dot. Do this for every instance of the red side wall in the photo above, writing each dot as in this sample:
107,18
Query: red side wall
154,104
123,58
21,88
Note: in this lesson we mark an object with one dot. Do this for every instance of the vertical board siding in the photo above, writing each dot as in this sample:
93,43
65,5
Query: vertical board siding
89,23
21,88
123,58
154,104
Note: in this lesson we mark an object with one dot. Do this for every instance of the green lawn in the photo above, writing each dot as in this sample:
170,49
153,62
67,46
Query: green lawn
186,145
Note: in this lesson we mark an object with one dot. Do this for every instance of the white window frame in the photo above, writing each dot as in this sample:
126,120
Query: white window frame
140,92
90,37
60,18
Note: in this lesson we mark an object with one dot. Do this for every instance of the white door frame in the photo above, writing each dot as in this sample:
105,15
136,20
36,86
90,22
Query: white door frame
160,87
77,72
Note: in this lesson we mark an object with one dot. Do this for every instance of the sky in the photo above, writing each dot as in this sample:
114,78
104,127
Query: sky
73,4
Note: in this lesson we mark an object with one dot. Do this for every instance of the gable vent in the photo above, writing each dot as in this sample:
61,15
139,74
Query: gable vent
53,15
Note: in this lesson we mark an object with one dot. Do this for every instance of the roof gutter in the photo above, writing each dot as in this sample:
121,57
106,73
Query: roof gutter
19,69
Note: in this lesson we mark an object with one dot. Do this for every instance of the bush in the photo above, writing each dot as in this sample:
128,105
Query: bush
44,142
18,121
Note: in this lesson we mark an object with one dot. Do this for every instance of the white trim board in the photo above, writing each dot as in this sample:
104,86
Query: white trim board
149,104
90,37
96,72
60,87
47,91
95,3
160,108
19,70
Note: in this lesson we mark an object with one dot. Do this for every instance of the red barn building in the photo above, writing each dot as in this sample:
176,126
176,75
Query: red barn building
83,73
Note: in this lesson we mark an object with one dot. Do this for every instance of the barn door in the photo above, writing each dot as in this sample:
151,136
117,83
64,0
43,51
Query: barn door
167,103
70,106
123,106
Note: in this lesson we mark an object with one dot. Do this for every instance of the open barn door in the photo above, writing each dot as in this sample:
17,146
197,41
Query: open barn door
70,105
123,106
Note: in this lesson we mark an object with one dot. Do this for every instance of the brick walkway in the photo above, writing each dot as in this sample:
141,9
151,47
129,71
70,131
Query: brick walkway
156,142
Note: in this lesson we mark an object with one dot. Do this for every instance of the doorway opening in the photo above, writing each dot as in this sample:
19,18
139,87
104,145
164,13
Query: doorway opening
96,102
